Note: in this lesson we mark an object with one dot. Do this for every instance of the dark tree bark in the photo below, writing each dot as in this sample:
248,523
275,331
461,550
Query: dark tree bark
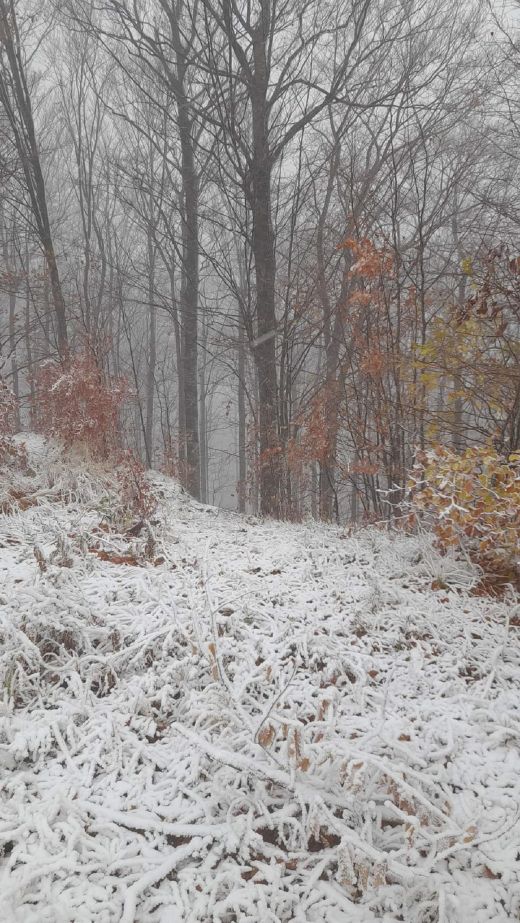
265,271
15,99
242,435
152,352
189,287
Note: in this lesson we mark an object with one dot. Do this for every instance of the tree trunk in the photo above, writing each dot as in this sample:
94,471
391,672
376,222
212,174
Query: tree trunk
203,420
265,271
152,352
314,491
242,461
458,407
16,101
10,268
181,406
14,360
28,336
332,339
190,298
57,299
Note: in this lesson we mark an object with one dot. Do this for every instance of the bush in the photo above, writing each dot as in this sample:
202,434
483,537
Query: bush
137,497
77,403
473,500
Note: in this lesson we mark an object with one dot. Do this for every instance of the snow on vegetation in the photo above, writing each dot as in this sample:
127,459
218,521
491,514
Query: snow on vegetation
211,718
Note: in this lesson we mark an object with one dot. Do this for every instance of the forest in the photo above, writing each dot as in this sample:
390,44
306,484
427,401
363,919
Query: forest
288,230
259,461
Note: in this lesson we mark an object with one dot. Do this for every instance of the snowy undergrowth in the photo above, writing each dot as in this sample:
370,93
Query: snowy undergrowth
220,719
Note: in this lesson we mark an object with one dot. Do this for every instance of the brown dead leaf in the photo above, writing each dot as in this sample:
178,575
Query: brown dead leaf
213,658
322,710
266,736
487,873
111,557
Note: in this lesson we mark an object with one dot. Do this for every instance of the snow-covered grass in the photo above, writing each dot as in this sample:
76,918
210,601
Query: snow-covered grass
221,719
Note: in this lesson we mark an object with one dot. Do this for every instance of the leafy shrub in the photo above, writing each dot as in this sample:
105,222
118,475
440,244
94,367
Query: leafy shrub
77,403
473,500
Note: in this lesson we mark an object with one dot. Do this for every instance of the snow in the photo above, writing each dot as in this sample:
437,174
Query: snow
259,722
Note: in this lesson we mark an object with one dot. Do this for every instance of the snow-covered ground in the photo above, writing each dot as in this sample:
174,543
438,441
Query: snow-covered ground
234,720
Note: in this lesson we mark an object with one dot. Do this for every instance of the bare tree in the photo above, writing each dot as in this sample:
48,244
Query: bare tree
16,101
262,63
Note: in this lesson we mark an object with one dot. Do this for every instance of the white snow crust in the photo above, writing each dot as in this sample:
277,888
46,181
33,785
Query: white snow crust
255,722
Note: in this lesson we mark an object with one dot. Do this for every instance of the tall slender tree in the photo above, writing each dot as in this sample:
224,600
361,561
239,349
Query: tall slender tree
17,104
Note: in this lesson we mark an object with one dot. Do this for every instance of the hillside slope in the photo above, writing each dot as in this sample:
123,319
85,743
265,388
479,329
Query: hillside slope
227,719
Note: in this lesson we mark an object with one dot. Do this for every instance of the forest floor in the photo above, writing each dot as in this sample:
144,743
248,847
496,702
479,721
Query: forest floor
237,720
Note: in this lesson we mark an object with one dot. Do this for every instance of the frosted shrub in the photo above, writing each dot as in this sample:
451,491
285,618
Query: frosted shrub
79,404
473,500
